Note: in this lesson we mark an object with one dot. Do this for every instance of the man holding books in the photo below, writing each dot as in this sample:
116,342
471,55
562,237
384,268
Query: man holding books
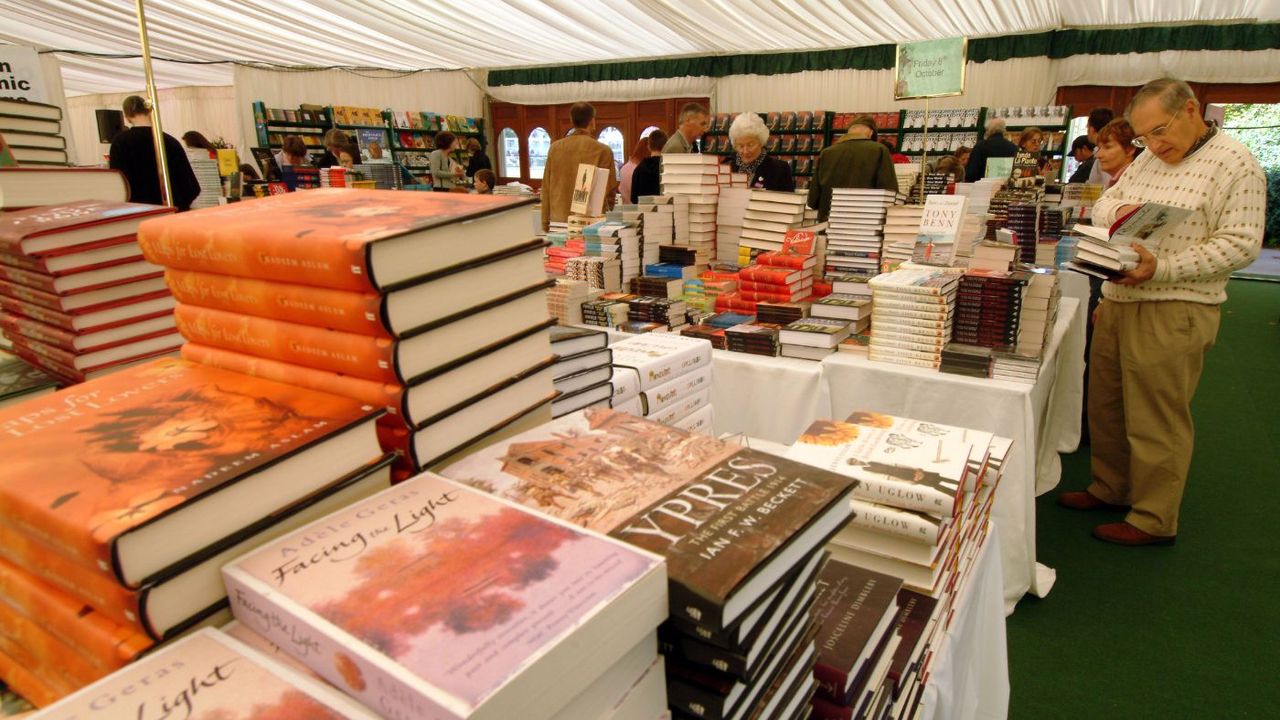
563,158
1156,323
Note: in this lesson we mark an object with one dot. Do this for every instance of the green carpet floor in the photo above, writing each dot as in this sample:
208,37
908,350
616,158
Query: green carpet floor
1188,631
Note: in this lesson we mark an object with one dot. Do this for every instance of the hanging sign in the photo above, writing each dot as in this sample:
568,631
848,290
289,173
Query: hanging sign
930,68
20,75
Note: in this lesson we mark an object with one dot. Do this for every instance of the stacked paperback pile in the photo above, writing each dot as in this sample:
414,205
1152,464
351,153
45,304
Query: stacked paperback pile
450,337
77,298
116,515
855,230
730,217
422,624
911,316
997,256
907,174
920,515
768,217
779,313
206,171
1023,220
693,183
739,640
962,359
334,176
647,313
1035,325
659,223
753,338
385,176
671,375
988,306
853,309
565,299
901,225
777,277
600,272
1053,223
582,370
812,338
605,311
33,132
616,240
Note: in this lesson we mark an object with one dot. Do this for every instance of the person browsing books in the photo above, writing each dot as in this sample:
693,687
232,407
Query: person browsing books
857,161
749,137
1116,150
1099,117
993,145
1156,323
292,152
1082,150
563,158
133,153
694,121
334,141
479,160
484,182
446,172
647,179
349,156
195,140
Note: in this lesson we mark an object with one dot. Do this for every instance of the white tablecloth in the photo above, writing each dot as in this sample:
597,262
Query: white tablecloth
768,398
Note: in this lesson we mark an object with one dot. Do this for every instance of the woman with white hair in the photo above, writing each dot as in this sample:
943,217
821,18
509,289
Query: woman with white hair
749,137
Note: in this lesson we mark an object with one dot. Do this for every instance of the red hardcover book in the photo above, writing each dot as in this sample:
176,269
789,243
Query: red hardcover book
94,321
734,302
131,473
760,287
95,255
104,299
777,297
357,240
90,361
16,325
773,275
70,375
81,282
785,259
53,228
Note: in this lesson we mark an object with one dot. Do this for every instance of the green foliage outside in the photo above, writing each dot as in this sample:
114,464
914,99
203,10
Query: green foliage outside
1258,127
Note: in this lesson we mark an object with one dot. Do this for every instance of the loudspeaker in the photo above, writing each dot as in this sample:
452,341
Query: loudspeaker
110,124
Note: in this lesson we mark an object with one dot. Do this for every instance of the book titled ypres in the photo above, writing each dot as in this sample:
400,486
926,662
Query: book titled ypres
731,521
128,474
435,600
206,675
661,357
893,467
854,610
339,238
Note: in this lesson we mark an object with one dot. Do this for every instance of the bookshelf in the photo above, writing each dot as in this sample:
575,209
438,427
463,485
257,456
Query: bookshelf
1054,120
948,130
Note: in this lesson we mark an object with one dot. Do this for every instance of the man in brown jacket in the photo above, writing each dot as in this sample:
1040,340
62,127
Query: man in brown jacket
563,159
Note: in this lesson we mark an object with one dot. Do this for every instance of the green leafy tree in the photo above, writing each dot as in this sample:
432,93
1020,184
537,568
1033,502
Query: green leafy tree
1258,127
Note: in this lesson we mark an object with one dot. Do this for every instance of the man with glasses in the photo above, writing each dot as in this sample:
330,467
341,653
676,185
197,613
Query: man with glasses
1155,324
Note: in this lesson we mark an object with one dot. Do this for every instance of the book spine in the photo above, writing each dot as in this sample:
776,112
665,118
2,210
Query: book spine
339,266
668,367
692,698
60,356
878,317
28,278
25,683
779,260
758,297
361,356
882,341
20,327
698,653
890,311
106,644
351,669
900,292
833,683
884,490
767,275
669,393
898,359
824,709
23,262
45,650
334,309
890,521
35,297
44,362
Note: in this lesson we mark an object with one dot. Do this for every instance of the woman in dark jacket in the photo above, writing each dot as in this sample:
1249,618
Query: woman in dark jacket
749,137
647,178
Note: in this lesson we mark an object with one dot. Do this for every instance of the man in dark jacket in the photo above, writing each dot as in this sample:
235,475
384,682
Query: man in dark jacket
855,161
133,153
995,145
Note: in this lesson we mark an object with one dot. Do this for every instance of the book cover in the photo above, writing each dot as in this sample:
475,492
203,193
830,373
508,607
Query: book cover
719,513
208,675
661,357
32,231
939,229
329,237
852,610
433,599
673,391
88,466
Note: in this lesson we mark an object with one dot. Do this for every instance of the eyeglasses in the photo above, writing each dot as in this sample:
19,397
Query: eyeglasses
1141,140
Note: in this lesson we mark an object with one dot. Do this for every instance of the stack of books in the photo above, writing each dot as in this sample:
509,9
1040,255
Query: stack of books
599,272
33,132
659,224
777,277
1014,367
963,359
812,338
385,176
666,314
334,176
20,381
422,623
853,309
1023,219
206,171
768,217
1053,223
739,639
851,285
302,177
77,298
921,513
615,239
582,370
707,331
565,299
665,285
911,315
753,338
855,230
998,212
988,306
605,311
561,246
980,194
994,256
907,174
780,313
693,181
901,225
673,376
730,218
450,337
1039,312
116,515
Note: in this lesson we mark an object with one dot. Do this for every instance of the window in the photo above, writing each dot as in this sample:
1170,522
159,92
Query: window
1079,126
648,131
612,137
539,143
510,148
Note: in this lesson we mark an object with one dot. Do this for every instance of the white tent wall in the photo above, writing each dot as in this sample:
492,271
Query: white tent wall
209,110
52,72
1202,66
449,92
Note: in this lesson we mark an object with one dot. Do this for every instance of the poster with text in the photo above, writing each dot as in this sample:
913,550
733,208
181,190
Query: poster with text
929,69
20,75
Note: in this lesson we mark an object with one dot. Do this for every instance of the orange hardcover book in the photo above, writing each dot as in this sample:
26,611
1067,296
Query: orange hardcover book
131,473
104,642
338,238
22,681
355,312
48,650
361,356
388,395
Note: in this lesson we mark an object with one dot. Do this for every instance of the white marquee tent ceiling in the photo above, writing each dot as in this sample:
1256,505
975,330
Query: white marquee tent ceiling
450,34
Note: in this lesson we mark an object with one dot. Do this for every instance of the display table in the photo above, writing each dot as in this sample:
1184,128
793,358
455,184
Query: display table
771,398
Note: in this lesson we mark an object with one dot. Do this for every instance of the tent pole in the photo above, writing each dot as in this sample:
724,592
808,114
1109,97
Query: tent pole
924,150
153,101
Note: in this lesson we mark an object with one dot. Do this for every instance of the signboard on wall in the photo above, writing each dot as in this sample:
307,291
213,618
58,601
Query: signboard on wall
930,68
20,75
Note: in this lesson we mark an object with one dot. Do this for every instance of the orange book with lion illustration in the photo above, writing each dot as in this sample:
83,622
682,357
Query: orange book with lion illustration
339,238
208,675
131,473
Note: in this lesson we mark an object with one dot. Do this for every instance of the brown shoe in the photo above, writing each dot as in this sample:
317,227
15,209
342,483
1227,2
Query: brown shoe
1122,533
1084,500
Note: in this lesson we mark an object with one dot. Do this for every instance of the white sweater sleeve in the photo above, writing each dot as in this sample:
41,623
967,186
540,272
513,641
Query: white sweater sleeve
1237,233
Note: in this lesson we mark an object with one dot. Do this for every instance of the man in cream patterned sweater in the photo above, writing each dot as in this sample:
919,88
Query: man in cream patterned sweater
1155,325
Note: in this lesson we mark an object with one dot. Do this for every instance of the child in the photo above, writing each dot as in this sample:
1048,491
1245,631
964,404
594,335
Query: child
485,181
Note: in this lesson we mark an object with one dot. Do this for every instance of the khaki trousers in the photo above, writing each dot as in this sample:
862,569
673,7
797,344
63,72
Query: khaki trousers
1144,365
